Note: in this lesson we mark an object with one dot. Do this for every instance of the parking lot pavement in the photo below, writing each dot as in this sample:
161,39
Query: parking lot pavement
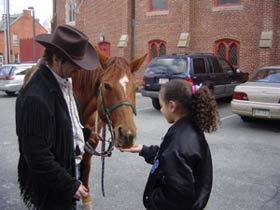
246,160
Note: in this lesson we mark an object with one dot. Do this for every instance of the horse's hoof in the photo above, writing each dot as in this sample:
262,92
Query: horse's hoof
87,205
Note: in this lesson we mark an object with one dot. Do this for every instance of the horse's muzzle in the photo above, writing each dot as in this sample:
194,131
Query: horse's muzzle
124,137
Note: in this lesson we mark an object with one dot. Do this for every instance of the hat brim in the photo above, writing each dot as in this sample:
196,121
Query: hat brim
90,60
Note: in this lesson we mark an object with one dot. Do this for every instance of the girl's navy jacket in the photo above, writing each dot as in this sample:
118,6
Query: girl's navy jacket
182,172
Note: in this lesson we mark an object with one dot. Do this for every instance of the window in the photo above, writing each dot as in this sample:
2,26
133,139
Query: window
156,5
70,10
214,65
225,65
156,48
15,39
199,66
227,2
228,49
16,58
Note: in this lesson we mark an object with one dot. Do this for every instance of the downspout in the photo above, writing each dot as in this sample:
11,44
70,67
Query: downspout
54,17
8,41
132,29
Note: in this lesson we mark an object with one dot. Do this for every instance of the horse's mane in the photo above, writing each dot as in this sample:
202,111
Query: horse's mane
88,80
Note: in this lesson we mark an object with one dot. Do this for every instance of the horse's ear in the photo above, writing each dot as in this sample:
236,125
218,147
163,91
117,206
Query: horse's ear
136,63
102,58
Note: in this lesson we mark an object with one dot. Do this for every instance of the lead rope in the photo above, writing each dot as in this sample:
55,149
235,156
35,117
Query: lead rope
103,159
102,151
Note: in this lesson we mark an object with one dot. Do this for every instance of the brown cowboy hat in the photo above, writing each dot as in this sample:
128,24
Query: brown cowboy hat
73,44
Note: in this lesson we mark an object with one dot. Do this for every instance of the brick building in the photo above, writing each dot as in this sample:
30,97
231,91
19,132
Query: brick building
245,32
21,38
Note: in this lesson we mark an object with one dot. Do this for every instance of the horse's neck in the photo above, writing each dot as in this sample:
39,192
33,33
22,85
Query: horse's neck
85,85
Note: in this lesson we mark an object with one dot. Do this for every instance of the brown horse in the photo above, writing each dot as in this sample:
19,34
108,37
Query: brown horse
107,95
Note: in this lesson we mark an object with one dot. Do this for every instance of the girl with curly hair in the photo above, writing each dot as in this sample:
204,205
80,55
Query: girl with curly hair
181,176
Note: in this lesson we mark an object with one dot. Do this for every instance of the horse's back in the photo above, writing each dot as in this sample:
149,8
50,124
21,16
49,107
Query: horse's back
28,74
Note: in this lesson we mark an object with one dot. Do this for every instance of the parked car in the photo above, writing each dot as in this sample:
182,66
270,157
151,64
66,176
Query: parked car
11,77
198,68
260,96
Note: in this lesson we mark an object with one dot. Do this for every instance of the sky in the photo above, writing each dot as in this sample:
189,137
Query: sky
42,8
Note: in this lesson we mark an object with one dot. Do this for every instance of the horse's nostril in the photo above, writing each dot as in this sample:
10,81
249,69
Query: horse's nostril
130,137
126,135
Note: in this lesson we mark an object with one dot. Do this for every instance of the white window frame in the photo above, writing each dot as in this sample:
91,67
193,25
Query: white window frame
70,12
15,39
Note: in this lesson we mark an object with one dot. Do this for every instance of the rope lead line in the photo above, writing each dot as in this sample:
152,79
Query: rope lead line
103,145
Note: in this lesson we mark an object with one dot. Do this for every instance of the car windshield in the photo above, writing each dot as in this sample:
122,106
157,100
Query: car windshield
5,70
167,66
267,75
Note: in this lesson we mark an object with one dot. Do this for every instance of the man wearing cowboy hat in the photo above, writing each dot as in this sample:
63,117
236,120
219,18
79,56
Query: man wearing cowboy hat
50,136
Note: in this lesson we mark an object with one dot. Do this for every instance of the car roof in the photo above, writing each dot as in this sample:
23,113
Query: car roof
175,55
19,64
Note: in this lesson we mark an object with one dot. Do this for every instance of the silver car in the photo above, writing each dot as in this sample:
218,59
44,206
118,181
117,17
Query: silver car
260,96
11,77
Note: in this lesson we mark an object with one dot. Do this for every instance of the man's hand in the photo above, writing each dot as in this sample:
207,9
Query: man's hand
93,139
82,192
134,149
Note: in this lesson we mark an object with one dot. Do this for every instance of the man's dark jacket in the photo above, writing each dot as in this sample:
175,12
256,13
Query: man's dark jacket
181,176
46,167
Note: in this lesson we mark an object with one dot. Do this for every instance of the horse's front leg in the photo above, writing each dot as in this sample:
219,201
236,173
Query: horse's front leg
87,202
96,124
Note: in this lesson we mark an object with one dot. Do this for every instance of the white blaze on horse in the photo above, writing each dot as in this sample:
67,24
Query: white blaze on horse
106,96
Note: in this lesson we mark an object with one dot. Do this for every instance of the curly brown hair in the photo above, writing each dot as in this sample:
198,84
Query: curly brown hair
201,105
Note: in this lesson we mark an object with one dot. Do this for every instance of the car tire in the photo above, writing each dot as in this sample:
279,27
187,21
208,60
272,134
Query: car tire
246,119
10,93
155,103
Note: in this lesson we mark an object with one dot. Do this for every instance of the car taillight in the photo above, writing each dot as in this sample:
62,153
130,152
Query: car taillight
9,78
240,96
189,79
143,81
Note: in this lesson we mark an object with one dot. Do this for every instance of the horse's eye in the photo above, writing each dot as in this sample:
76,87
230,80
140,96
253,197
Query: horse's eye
107,86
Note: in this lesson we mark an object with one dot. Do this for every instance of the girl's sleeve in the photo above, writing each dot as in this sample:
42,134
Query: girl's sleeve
149,153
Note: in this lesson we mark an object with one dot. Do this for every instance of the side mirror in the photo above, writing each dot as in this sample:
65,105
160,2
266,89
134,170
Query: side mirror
238,71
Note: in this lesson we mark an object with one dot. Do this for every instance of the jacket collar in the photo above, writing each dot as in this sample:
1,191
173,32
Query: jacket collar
50,80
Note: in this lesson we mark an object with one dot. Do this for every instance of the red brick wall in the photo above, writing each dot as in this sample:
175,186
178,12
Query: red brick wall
23,27
26,50
205,23
109,18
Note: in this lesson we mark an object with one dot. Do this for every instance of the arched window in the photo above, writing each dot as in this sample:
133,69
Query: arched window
156,48
228,49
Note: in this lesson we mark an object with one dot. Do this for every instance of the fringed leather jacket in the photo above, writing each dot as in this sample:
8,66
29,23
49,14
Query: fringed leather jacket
181,176
46,168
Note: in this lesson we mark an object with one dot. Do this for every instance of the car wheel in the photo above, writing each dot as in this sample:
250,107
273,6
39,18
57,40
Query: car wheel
155,103
10,93
246,118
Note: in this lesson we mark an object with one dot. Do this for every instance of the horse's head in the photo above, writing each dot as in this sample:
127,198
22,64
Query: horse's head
117,97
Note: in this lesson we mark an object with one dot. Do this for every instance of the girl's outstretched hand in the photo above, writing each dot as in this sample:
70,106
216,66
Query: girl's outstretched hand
134,149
